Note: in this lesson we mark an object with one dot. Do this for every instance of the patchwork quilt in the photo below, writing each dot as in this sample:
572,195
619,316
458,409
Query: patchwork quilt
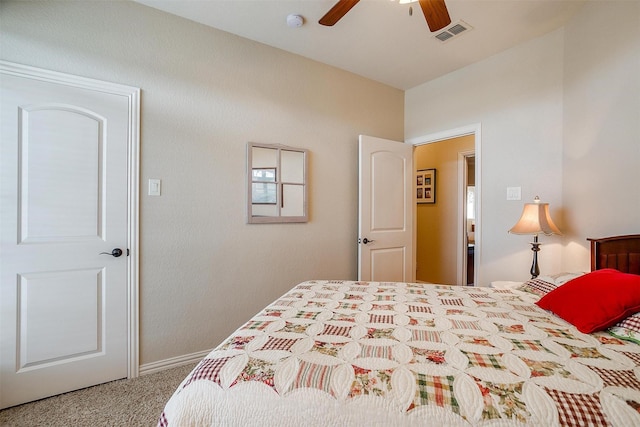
372,353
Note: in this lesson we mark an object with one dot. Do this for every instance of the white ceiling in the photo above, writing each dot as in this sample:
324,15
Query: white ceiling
378,39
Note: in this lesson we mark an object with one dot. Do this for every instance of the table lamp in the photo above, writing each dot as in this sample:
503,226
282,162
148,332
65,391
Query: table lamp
535,219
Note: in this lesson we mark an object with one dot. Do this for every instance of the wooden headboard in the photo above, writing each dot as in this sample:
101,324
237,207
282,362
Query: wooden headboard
619,252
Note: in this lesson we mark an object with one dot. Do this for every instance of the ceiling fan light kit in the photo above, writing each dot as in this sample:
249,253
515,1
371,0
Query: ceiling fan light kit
435,13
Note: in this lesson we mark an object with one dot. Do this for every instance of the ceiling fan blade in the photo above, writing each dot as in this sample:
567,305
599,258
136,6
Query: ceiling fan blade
436,14
337,12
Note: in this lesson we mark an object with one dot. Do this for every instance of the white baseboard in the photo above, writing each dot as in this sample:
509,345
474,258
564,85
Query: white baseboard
174,362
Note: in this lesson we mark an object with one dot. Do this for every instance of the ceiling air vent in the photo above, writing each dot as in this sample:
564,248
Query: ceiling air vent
453,31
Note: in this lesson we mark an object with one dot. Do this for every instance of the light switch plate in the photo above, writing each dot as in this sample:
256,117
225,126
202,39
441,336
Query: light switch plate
514,193
154,187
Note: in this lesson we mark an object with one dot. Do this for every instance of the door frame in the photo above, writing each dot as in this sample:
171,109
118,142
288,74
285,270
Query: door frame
462,242
132,94
475,130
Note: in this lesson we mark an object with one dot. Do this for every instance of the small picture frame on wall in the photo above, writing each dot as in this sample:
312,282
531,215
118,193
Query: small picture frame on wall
426,186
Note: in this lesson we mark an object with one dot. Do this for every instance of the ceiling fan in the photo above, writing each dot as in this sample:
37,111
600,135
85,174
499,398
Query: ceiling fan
435,12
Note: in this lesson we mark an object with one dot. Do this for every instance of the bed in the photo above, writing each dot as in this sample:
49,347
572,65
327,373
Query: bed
347,353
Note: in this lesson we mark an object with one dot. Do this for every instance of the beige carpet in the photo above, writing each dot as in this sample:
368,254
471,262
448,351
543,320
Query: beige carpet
136,402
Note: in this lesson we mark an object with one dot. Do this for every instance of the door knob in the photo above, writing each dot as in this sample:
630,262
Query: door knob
114,253
365,241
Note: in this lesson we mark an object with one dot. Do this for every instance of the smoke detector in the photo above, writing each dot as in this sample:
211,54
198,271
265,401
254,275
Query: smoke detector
453,31
294,21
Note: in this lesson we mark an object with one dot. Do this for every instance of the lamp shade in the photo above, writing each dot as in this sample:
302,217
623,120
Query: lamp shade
535,219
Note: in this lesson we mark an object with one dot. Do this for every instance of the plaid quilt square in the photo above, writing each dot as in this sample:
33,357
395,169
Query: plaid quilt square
559,333
617,378
538,287
284,344
633,356
578,410
435,390
208,369
310,315
484,360
535,345
348,306
258,325
163,421
631,322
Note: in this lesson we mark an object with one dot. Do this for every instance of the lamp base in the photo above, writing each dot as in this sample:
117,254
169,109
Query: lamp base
535,247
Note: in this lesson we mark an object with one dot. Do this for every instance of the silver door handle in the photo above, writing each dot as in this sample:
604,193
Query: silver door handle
114,253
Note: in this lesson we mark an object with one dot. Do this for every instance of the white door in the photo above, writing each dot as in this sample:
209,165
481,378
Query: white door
64,179
385,202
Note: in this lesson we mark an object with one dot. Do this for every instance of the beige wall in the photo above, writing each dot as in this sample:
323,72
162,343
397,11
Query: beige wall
516,96
601,156
560,118
205,94
437,224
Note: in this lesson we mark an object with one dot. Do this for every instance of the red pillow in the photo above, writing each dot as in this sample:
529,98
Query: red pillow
596,300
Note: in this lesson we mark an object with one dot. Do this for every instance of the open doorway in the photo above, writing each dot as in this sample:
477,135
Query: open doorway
469,218
447,231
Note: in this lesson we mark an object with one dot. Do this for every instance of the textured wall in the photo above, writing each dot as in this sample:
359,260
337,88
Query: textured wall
205,94
601,127
517,98
560,117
